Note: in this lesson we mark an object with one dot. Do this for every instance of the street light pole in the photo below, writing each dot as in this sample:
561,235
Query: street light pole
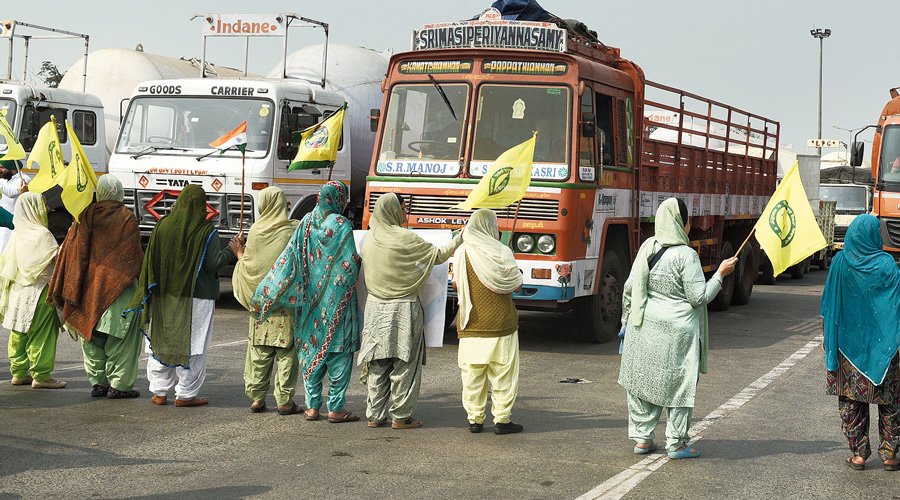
821,34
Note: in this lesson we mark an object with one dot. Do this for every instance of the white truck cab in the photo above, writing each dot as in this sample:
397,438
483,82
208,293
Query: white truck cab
28,108
163,145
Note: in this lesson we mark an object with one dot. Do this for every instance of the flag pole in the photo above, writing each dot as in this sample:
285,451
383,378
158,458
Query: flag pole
512,231
745,242
241,220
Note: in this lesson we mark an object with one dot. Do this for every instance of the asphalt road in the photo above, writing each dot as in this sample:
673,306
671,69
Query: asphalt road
780,438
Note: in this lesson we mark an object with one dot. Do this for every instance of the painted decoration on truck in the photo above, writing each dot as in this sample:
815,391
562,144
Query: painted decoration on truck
565,276
490,31
629,125
419,167
436,67
531,68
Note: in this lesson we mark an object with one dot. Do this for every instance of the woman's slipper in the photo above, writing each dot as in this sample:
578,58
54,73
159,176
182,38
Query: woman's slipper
855,466
346,417
644,451
312,414
685,453
291,409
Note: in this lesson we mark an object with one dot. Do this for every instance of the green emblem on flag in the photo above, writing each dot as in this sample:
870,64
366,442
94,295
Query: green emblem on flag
317,139
499,180
783,212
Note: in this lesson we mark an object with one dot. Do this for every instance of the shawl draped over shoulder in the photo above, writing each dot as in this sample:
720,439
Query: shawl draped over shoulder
861,303
317,274
30,250
492,261
100,257
168,275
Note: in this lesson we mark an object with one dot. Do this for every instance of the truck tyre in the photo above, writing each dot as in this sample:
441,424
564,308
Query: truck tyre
304,207
744,273
723,299
599,316
798,270
766,273
825,261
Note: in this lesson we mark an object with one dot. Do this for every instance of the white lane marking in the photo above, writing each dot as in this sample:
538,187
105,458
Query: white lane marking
81,367
619,485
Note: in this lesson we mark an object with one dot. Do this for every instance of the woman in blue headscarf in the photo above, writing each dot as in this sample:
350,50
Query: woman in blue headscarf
862,336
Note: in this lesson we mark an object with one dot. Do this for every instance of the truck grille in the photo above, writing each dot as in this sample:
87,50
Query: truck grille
432,205
840,232
228,206
890,232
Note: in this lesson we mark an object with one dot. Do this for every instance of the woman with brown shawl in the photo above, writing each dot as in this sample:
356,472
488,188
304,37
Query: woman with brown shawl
99,262
175,299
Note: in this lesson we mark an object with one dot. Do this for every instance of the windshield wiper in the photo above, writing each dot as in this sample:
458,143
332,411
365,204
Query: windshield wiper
153,149
221,153
443,95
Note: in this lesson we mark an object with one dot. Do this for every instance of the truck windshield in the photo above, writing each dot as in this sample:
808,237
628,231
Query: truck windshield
186,125
8,111
848,198
421,133
889,164
508,115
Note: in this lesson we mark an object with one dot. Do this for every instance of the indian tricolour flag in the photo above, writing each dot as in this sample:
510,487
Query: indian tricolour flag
237,138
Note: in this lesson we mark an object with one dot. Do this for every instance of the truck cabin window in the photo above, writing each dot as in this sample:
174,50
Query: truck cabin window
8,111
849,198
889,164
425,121
186,125
508,115
35,118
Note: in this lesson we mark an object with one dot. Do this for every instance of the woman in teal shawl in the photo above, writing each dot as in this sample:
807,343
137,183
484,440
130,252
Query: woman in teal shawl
862,337
666,338
317,274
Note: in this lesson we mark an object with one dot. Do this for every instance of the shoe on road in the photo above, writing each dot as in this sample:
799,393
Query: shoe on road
160,400
22,380
50,383
191,402
98,391
409,423
117,394
508,428
475,428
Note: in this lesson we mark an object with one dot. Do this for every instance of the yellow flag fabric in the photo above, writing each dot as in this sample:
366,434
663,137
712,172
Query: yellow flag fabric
317,146
14,150
505,181
79,180
787,229
47,153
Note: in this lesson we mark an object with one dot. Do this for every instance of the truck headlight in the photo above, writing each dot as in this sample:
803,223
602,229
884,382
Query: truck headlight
546,243
525,243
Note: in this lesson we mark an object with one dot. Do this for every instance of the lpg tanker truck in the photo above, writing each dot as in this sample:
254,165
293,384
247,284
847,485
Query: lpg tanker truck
163,140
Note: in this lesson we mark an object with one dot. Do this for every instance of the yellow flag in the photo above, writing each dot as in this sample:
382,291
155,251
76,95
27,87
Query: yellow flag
505,181
14,149
787,229
47,153
317,146
79,180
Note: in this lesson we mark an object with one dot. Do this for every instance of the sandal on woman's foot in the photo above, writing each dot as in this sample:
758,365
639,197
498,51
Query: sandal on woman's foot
409,423
312,414
375,423
687,452
855,466
291,409
347,416
257,409
891,467
643,451
114,393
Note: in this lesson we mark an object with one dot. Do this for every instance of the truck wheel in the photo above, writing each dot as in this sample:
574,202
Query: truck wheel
304,207
825,261
723,299
744,273
798,270
766,273
600,315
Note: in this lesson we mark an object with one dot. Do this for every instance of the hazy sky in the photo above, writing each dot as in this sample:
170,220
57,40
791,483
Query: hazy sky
758,56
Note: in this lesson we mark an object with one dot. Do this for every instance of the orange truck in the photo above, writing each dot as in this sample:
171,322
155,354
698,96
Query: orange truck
470,90
885,171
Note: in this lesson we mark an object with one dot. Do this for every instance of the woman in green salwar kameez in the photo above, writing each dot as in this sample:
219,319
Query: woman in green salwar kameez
666,333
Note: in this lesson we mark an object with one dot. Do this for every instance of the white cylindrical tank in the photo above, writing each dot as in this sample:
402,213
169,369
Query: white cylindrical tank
356,73
113,74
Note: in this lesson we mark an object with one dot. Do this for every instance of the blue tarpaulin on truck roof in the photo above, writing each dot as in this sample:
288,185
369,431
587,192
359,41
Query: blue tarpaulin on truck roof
520,10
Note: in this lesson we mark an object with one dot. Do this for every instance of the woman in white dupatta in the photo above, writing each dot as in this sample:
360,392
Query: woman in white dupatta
485,275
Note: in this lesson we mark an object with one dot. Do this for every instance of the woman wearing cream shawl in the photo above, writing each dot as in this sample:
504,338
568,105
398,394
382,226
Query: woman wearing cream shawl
485,276
396,263
666,332
25,270
271,341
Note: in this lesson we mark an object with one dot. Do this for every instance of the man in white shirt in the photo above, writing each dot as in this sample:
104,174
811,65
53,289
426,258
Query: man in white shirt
12,182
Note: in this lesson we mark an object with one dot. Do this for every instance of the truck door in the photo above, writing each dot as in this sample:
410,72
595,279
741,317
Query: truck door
299,186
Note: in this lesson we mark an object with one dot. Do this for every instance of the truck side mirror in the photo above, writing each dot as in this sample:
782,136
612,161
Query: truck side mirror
856,153
374,115
588,127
